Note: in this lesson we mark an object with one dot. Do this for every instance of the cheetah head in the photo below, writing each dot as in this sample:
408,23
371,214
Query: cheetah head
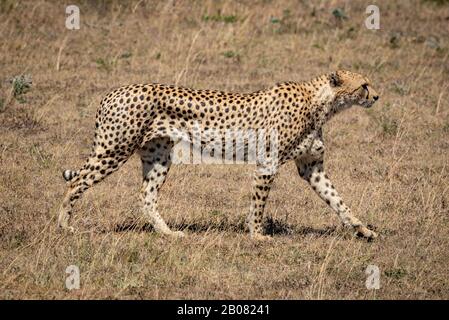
352,89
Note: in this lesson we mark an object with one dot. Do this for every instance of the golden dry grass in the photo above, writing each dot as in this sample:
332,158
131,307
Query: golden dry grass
390,163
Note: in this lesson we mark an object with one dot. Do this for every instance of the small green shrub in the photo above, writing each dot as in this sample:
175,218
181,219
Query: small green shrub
339,14
230,54
105,64
396,273
126,55
390,126
21,84
285,23
220,18
2,104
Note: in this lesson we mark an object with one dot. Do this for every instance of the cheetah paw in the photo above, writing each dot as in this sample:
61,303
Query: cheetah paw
177,234
366,233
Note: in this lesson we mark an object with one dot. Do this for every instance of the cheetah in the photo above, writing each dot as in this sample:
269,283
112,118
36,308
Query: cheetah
145,119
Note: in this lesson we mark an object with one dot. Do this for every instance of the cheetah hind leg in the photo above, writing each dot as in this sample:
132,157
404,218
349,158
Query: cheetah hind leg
96,168
155,157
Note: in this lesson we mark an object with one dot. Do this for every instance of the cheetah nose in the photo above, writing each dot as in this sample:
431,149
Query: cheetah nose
376,98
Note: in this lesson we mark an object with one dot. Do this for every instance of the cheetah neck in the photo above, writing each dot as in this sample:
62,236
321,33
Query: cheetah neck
328,102
322,101
337,106
324,95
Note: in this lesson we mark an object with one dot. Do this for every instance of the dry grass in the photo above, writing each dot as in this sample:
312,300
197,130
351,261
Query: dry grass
389,163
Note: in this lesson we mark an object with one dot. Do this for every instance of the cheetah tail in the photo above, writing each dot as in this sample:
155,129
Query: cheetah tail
69,174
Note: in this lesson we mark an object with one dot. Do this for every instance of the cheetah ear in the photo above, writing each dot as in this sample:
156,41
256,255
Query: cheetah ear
334,79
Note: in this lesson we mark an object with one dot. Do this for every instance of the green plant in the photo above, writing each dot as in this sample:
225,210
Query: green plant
21,84
220,18
105,64
396,273
318,46
390,126
134,256
285,23
126,55
339,14
230,54
446,127
394,40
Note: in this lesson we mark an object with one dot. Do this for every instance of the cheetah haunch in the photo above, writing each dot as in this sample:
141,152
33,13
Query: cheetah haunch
145,119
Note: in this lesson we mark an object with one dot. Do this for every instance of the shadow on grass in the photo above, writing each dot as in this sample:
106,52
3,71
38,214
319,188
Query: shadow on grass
271,227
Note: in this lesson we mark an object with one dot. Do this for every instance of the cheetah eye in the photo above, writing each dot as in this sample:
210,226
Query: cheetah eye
365,86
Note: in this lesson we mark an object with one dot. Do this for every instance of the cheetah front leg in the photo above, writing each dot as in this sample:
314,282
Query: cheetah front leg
261,188
313,172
